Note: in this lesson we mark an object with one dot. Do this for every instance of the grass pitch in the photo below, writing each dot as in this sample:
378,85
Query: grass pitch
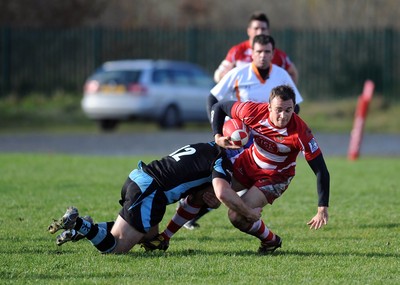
360,245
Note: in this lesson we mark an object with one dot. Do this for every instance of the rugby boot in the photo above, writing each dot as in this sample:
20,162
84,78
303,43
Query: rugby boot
66,222
157,243
270,246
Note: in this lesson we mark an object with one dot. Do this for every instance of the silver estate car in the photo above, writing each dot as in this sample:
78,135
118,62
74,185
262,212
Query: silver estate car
168,92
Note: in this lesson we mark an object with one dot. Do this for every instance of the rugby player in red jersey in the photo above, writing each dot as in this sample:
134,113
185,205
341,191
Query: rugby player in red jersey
241,53
267,167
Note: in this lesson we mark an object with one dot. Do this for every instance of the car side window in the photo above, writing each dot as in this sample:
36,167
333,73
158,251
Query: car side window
163,77
182,77
202,80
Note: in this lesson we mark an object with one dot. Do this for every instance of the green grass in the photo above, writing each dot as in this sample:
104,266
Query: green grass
360,245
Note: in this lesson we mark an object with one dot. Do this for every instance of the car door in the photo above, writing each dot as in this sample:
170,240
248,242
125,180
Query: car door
163,89
190,94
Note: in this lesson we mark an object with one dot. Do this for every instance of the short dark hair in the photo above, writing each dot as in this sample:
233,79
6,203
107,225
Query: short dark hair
259,16
264,40
285,92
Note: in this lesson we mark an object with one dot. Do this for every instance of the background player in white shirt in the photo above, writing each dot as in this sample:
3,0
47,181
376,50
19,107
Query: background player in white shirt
254,81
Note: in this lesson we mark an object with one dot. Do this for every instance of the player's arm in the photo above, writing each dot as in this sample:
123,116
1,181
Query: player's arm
218,113
211,100
320,169
223,69
294,74
229,198
289,66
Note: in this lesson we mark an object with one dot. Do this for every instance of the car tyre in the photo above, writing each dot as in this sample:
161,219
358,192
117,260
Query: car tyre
108,125
171,118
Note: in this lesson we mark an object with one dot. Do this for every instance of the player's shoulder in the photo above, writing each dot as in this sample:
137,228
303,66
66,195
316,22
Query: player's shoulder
244,67
212,148
239,48
242,45
200,151
279,71
251,106
277,68
213,151
258,105
305,133
204,145
241,70
280,52
300,124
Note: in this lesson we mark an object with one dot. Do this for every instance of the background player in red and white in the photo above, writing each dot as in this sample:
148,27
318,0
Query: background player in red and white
241,53
267,167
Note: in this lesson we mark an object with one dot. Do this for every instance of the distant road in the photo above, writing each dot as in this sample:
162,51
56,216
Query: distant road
162,143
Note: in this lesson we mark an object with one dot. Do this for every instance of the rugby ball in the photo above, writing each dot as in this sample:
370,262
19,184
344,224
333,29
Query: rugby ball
237,131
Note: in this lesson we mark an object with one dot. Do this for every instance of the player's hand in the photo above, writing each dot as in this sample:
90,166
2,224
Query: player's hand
225,142
211,200
320,219
255,215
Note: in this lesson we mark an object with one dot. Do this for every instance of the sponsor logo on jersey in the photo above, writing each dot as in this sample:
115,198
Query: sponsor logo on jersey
270,145
266,144
313,145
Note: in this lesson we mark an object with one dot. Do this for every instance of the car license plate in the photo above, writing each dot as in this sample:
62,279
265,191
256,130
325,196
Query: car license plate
113,89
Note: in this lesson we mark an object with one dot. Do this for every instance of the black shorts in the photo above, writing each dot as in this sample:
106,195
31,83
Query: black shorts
143,202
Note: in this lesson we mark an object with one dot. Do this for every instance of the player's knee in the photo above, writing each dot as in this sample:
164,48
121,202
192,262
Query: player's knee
236,219
196,199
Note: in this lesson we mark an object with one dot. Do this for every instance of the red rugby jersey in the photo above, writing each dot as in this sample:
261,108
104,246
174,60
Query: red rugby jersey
241,54
275,149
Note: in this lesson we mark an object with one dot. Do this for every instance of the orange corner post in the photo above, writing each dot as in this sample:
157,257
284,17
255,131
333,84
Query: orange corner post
359,120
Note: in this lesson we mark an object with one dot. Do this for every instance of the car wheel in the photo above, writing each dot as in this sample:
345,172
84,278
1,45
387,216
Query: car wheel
108,125
171,118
